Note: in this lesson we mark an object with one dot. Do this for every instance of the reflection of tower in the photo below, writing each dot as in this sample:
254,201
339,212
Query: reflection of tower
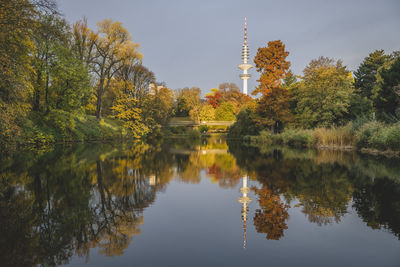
244,199
245,56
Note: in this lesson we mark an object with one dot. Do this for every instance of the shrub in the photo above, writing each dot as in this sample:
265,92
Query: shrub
203,128
366,131
63,122
297,137
381,137
194,134
393,137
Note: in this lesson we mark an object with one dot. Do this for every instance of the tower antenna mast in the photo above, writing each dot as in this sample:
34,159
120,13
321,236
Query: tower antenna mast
245,66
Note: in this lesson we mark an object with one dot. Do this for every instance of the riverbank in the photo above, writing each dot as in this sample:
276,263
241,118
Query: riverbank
62,127
373,138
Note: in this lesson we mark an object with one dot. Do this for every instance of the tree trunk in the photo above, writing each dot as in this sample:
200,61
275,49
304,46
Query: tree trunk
46,102
99,95
36,100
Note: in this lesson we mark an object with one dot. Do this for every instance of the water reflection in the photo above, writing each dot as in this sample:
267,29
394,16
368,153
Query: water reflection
64,202
244,200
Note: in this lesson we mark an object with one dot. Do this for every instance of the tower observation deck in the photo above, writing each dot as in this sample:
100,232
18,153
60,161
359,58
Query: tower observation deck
245,66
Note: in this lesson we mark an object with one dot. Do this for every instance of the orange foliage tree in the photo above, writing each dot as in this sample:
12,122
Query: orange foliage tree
273,108
214,98
271,218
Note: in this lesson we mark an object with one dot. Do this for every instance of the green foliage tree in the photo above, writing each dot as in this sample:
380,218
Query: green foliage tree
244,125
386,96
365,75
324,93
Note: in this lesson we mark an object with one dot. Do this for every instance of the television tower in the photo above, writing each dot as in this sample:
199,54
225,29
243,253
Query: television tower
244,200
245,56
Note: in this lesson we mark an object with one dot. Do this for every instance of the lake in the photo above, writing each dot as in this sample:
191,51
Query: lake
198,203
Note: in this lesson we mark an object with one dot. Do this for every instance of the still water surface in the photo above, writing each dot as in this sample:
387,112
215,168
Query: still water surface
208,204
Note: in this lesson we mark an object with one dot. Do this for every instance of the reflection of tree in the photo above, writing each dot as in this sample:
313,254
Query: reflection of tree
378,204
67,202
323,190
219,166
272,215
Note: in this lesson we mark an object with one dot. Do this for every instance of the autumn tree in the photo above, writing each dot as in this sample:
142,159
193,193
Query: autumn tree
324,93
273,107
158,108
225,112
272,216
207,112
106,52
187,99
18,23
231,93
214,98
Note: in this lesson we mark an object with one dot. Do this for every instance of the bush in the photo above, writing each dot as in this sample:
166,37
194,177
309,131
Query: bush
366,131
293,137
203,128
61,121
379,136
194,134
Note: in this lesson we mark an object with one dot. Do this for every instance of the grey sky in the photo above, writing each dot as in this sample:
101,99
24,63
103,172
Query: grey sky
198,43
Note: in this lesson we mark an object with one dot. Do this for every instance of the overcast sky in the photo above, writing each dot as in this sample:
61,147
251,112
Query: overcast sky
198,43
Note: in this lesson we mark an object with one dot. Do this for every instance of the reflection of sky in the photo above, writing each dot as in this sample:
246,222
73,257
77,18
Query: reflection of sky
200,225
198,43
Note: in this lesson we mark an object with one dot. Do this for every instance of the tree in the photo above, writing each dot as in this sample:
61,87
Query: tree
18,23
16,26
187,99
158,108
214,98
225,112
244,125
106,52
324,94
386,95
231,93
51,33
127,110
272,215
365,75
228,87
271,63
273,108
207,112
70,84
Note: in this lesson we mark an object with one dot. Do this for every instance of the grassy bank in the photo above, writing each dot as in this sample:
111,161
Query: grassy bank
372,137
62,127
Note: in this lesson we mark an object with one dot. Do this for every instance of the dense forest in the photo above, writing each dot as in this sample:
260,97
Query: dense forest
63,82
